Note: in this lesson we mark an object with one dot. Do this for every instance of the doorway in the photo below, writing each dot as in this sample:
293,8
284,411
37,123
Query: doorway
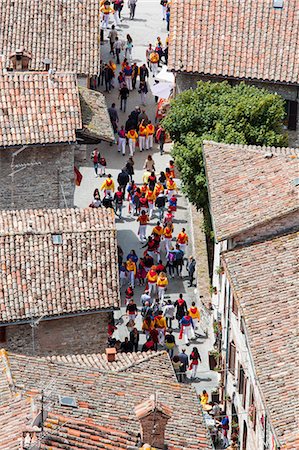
244,439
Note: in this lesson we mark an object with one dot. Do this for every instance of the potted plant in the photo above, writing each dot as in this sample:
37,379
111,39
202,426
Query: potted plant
215,396
220,270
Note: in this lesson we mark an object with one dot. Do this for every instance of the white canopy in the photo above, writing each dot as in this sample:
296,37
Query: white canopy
162,90
164,75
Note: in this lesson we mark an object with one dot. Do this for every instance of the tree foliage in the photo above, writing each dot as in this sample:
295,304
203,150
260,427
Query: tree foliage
240,114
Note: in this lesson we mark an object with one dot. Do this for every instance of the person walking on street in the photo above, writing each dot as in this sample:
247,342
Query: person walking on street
108,76
143,73
123,94
150,196
129,47
132,139
108,185
132,310
123,179
122,140
143,220
167,26
134,75
150,136
182,239
148,53
154,61
149,164
191,269
147,325
95,156
118,201
106,10
131,269
127,70
169,313
181,308
152,278
170,343
134,339
160,136
160,324
126,346
143,92
187,329
164,7
132,7
117,48
194,358
160,204
185,362
171,188
194,314
142,136
111,36
113,117
167,238
162,283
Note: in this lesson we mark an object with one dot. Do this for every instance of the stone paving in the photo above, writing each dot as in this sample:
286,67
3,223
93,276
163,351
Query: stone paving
144,29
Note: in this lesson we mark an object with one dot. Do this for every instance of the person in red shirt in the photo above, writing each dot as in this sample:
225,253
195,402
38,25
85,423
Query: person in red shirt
182,240
143,220
154,334
160,267
143,202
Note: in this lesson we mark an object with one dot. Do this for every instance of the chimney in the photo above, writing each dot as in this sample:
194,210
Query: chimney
110,353
47,62
153,417
20,60
31,439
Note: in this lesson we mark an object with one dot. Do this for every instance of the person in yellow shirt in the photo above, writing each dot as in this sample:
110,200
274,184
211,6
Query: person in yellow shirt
106,10
152,278
182,239
171,188
131,269
142,136
108,185
204,398
158,188
144,188
194,314
162,283
150,195
150,128
158,230
132,138
160,325
154,60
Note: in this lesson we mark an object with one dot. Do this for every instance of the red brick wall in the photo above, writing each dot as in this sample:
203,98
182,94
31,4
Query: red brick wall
81,334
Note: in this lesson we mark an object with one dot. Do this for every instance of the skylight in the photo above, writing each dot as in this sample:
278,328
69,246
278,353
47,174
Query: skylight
277,3
68,401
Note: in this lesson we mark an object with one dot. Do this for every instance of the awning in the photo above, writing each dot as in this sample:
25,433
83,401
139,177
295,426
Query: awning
162,90
164,75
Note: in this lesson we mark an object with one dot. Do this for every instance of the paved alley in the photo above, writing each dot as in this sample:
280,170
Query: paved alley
144,29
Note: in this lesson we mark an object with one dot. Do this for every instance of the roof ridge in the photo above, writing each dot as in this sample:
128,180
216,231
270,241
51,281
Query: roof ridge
257,148
145,359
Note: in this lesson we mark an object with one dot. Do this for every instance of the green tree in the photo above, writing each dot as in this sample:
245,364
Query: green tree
240,114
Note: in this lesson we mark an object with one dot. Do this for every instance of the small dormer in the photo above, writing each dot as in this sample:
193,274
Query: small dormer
20,60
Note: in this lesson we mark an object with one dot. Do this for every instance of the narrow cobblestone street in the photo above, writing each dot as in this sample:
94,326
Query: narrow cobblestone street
144,29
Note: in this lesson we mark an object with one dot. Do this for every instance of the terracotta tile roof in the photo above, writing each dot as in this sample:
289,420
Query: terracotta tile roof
105,413
123,361
246,188
232,38
66,32
41,278
264,280
35,109
95,117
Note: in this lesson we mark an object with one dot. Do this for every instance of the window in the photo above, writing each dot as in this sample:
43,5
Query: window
56,239
244,393
292,112
252,408
235,307
232,358
2,334
241,379
242,328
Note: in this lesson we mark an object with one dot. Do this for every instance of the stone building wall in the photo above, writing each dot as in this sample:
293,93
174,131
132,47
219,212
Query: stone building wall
80,334
36,177
187,81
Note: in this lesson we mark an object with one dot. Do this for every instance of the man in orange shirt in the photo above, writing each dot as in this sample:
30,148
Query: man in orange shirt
171,188
143,220
150,195
142,135
150,133
152,277
167,238
182,239
132,138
